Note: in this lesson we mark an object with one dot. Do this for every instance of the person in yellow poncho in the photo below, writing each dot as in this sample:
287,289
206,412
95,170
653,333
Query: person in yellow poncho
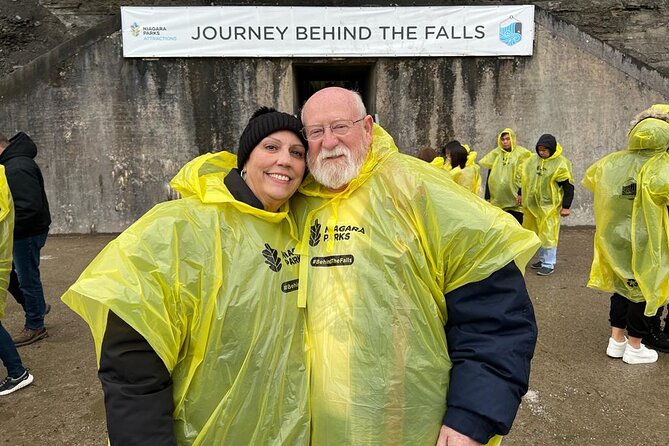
651,218
547,191
503,180
193,308
614,181
18,376
650,259
463,168
420,327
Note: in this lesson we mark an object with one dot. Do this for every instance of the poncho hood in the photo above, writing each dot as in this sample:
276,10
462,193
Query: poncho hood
650,129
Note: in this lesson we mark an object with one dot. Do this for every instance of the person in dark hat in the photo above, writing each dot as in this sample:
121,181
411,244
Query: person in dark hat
193,308
547,191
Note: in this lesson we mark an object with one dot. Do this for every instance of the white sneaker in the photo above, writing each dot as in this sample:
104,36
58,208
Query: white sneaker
616,349
643,355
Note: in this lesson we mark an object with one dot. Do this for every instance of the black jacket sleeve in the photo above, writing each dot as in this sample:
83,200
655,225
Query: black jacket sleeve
137,388
568,196
487,187
491,333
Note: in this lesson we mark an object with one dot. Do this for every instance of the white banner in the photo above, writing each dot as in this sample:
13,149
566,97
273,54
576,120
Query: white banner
282,31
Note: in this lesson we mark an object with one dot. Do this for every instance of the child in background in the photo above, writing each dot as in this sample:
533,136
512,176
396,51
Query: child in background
17,376
504,163
463,167
547,190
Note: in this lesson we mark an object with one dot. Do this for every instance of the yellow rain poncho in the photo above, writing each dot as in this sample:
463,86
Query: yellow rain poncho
504,177
439,162
377,259
542,196
470,176
6,237
210,283
650,238
614,182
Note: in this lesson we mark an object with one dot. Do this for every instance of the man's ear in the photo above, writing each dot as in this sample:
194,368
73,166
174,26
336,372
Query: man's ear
368,123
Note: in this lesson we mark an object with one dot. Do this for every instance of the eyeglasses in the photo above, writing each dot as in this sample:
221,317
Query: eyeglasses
340,128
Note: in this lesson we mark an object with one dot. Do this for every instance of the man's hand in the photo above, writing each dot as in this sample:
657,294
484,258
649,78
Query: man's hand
450,437
564,212
519,200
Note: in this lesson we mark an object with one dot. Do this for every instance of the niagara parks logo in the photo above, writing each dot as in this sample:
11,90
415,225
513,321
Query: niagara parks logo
135,29
150,32
272,258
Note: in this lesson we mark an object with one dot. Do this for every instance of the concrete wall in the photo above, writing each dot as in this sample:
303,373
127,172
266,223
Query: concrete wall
575,87
113,131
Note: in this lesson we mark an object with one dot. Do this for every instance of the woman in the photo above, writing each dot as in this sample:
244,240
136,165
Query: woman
463,167
193,308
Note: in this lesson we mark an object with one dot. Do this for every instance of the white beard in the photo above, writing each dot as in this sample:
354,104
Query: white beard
337,174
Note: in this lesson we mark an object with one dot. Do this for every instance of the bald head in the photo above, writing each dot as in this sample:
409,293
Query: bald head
336,156
334,97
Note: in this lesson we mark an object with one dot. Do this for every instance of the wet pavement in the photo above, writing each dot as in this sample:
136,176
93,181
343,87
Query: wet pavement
578,396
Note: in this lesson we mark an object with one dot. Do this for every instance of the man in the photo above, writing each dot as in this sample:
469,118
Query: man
503,180
18,376
407,284
30,231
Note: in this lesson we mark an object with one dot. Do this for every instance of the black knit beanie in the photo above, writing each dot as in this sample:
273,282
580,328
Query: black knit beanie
265,121
547,140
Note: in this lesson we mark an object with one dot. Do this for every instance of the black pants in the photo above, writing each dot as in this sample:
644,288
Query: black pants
629,315
517,215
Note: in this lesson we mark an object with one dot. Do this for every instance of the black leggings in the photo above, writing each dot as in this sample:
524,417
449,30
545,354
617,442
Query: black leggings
629,315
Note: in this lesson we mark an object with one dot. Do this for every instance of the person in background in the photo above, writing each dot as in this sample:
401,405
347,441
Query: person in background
627,222
428,154
547,192
464,169
18,376
193,308
651,218
420,326
503,181
651,238
31,227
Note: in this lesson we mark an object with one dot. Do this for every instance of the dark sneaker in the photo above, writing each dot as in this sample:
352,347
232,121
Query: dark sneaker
543,271
9,384
28,336
535,265
657,340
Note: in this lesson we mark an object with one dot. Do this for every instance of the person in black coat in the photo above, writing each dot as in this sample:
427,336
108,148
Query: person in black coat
31,227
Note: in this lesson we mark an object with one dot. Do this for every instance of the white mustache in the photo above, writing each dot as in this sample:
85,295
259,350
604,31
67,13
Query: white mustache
333,153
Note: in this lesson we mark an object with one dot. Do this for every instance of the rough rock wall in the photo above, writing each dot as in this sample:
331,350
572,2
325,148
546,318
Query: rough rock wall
27,30
636,27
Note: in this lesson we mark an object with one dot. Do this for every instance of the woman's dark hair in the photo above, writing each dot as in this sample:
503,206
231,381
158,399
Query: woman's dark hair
457,152
427,154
